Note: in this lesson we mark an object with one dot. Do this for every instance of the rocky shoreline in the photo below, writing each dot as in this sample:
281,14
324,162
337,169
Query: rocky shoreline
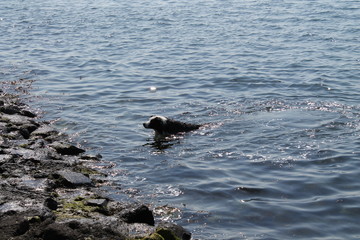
49,192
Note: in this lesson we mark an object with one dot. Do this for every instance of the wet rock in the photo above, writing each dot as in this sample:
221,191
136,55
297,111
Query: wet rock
66,149
163,233
141,214
36,155
30,127
177,230
28,113
24,133
44,131
5,158
16,119
10,109
13,225
97,157
100,204
51,203
37,144
2,126
97,202
59,232
73,179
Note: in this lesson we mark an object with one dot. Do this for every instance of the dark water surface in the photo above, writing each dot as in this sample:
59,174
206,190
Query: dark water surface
277,81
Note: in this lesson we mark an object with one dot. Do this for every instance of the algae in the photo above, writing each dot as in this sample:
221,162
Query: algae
76,208
161,234
89,171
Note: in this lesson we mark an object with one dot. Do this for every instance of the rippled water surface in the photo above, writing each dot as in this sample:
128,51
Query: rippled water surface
276,82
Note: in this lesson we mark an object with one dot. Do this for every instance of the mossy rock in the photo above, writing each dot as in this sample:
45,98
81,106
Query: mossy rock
162,234
87,171
76,208
154,236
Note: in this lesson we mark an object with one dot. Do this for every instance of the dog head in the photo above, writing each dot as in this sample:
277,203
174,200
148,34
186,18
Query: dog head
156,122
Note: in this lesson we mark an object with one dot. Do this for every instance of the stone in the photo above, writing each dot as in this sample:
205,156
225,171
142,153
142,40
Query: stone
13,225
59,232
73,179
16,119
44,131
96,157
141,214
101,202
177,230
5,158
10,109
51,203
28,113
66,149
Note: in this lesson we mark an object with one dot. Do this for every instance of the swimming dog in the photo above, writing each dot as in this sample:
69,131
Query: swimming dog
165,126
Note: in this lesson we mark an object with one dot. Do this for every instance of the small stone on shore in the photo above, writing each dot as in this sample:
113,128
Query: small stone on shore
141,214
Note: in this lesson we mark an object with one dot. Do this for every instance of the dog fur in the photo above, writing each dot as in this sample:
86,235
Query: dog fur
165,126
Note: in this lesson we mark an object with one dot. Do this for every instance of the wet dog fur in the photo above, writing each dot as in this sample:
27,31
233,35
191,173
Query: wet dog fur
164,126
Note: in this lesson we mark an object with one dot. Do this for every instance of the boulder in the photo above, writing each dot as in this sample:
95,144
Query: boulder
72,179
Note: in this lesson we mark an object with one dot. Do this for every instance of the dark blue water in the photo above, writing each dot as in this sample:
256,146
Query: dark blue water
277,81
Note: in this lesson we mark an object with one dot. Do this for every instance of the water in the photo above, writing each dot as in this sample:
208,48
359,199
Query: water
277,81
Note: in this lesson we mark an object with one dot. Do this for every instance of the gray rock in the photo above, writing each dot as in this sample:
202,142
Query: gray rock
66,149
30,154
16,119
5,158
44,131
97,202
73,179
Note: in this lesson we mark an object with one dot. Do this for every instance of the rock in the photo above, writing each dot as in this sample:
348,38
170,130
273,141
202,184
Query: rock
66,149
97,157
59,232
102,202
73,179
51,203
177,230
36,155
30,127
16,119
13,225
141,214
13,109
165,234
5,158
44,131
10,109
28,113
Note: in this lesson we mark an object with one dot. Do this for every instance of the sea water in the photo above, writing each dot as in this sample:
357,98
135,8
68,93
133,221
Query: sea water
276,84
